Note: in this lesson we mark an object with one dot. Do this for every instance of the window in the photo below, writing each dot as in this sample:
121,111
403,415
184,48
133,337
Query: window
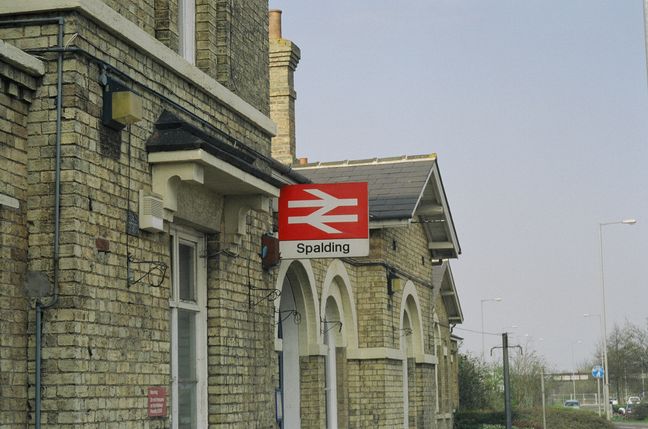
187,29
188,332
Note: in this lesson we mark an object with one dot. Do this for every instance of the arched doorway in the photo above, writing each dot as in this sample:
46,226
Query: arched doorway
340,335
411,346
407,351
332,327
296,313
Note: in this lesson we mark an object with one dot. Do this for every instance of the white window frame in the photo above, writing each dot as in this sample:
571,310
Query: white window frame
187,29
179,235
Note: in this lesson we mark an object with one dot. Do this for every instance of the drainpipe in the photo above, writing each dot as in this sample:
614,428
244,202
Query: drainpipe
40,306
39,347
57,223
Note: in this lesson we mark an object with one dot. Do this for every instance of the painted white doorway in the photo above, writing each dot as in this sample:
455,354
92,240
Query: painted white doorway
406,349
288,333
332,327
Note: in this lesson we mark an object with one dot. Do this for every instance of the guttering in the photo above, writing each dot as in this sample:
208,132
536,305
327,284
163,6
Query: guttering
40,306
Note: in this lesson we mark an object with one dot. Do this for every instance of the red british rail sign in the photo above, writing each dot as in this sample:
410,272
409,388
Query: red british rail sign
324,220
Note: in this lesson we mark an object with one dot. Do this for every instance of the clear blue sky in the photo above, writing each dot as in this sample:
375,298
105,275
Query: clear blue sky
538,111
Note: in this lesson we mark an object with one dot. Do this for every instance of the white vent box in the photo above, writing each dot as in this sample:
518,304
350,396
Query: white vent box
151,212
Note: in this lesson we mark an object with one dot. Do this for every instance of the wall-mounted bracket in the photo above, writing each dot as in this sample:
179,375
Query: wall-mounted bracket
235,215
327,325
269,294
155,274
166,182
286,314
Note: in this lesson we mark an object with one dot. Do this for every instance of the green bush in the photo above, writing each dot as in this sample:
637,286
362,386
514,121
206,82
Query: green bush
557,418
495,427
475,419
639,412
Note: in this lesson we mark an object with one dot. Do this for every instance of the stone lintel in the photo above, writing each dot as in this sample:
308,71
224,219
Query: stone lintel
21,60
6,200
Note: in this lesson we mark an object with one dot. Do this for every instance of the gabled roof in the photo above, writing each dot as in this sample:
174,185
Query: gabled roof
402,190
442,276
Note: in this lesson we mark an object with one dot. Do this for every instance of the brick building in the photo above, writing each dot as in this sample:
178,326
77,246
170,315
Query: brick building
373,344
137,185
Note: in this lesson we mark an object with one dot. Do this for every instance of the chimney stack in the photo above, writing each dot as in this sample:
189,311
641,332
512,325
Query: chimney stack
284,57
275,24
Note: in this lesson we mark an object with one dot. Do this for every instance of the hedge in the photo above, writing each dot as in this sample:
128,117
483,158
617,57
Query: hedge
557,418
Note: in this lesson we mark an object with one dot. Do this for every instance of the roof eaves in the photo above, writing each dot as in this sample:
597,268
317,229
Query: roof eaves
445,197
368,161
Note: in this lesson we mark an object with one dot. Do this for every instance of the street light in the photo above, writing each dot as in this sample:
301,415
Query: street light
574,366
598,380
606,381
482,319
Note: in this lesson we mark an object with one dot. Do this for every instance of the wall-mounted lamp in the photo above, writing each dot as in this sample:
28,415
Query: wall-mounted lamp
391,276
121,106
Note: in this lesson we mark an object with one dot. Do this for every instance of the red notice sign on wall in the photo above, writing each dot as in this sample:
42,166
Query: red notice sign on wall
324,220
157,405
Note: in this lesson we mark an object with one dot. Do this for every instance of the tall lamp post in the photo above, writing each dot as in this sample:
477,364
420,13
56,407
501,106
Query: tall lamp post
574,367
482,319
598,380
606,382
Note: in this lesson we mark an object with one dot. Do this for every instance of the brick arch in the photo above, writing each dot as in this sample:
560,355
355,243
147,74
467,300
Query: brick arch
410,302
299,275
337,286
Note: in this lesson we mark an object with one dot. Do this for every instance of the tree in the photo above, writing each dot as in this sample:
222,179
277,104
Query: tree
477,384
526,370
628,359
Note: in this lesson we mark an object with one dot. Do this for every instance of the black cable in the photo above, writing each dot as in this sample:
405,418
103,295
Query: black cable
475,331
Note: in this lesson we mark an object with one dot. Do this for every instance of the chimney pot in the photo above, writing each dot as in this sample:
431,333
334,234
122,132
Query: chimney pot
275,23
303,161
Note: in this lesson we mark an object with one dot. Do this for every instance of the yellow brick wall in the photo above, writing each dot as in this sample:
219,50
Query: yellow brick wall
16,91
313,393
104,343
375,386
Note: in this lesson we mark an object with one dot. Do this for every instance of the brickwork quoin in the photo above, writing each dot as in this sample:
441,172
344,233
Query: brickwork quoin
16,94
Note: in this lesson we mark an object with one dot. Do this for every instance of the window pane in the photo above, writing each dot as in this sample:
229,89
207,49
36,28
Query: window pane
187,29
186,262
187,382
172,239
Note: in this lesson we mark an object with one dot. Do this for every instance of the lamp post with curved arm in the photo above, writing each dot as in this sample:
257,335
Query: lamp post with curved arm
606,382
482,319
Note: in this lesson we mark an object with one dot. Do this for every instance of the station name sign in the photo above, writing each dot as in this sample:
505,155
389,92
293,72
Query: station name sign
324,220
